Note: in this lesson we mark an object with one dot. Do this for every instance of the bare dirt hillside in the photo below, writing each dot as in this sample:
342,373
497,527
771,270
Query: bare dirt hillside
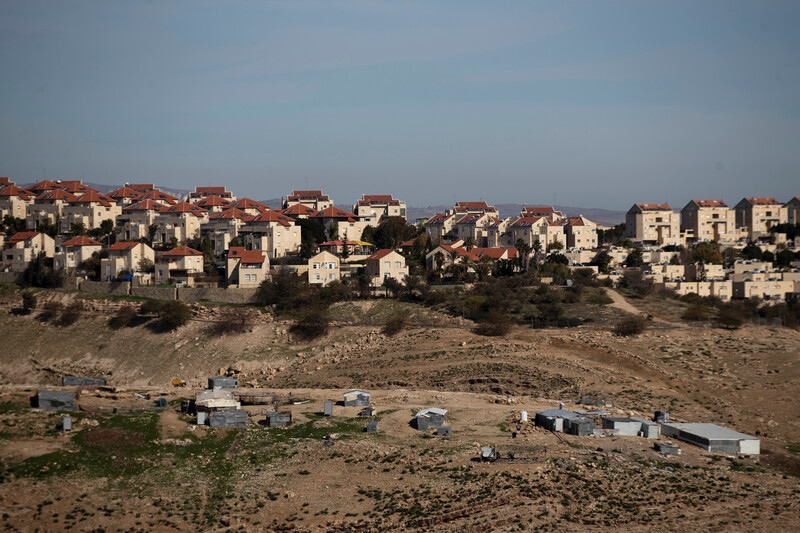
149,469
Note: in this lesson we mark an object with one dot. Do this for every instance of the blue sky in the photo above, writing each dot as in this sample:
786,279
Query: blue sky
596,104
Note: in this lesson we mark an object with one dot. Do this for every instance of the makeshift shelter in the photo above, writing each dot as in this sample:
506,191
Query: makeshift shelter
72,381
278,419
430,418
228,419
55,400
222,382
356,398
713,438
372,427
631,427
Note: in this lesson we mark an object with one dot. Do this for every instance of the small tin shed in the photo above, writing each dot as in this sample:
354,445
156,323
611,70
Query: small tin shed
327,409
372,427
444,431
430,418
71,381
55,400
228,419
356,397
278,419
222,382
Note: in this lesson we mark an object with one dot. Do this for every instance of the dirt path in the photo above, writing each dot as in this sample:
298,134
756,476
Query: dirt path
624,305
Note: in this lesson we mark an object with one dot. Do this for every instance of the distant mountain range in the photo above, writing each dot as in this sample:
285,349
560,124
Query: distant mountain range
601,216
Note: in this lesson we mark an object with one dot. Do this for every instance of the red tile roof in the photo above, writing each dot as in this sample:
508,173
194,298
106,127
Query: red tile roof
145,205
710,203
230,214
247,203
473,205
57,194
494,253
525,222
307,195
142,187
273,216
213,201
44,185
160,196
247,257
184,207
125,192
298,210
22,236
380,254
123,246
93,197
211,190
81,241
372,199
438,219
762,201
654,207
13,190
335,212
182,251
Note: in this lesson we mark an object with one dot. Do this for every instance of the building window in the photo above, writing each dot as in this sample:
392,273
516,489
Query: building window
397,264
317,277
315,266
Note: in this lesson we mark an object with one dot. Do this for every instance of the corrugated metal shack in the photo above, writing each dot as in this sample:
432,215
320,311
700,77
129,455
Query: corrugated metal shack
228,419
72,381
222,382
565,421
631,427
55,400
713,438
278,419
372,427
430,418
355,398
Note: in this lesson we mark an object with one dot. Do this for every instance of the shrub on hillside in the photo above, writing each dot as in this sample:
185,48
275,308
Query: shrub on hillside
395,324
28,301
695,313
172,315
630,326
731,316
311,325
70,314
50,311
125,316
494,324
151,307
231,321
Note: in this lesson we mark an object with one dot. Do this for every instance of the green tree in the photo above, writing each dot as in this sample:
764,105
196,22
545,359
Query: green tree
602,260
469,244
555,246
706,252
77,228
635,258
523,249
40,273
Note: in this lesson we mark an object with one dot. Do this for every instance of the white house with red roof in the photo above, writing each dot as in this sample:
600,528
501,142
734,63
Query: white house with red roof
201,193
22,247
273,233
324,268
653,224
89,209
580,232
385,264
221,228
465,208
475,226
125,195
180,222
179,264
135,221
542,211
14,201
125,256
251,207
299,211
758,215
708,220
374,207
213,203
246,268
158,195
47,208
441,228
73,252
341,224
314,199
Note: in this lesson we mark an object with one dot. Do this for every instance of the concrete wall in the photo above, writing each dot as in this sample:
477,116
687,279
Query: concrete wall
229,295
108,287
10,277
157,293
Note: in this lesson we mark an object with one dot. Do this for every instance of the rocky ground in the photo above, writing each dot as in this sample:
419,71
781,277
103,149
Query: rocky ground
145,469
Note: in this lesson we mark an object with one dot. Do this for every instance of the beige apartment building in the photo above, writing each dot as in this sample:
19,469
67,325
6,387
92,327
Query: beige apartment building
22,247
498,235
314,199
125,196
533,229
323,268
767,290
73,252
793,210
441,228
251,207
272,232
223,227
179,222
758,215
201,193
135,221
719,288
475,226
473,208
373,207
709,220
124,256
348,226
14,202
47,208
653,224
90,209
580,232
385,264
246,268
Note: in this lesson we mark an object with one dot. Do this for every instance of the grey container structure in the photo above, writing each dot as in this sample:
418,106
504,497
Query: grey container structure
55,400
713,438
488,454
444,431
202,418
72,381
367,411
582,426
662,417
430,418
278,419
372,427
66,423
327,409
631,427
554,419
222,382
356,398
228,419
667,449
